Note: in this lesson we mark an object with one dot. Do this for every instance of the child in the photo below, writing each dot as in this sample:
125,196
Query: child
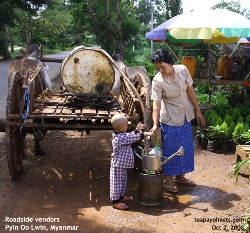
122,158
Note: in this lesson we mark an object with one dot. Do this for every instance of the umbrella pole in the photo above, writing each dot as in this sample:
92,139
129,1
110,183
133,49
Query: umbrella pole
209,78
171,50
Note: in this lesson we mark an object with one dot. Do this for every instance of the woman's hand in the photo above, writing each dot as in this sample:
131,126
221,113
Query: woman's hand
200,119
154,128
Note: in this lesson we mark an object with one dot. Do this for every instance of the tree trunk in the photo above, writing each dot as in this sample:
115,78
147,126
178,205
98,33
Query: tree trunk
10,39
108,29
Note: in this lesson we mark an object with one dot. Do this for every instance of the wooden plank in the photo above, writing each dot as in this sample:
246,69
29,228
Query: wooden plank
78,111
48,109
88,112
242,152
66,111
37,111
58,110
28,123
103,113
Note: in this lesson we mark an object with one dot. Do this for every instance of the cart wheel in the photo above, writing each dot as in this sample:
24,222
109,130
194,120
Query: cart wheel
140,84
15,139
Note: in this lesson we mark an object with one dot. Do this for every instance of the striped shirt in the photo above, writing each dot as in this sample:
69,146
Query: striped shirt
175,104
123,155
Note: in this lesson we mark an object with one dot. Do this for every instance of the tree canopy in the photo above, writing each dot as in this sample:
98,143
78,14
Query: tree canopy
118,26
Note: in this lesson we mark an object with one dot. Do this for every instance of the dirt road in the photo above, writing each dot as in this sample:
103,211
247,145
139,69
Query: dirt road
69,186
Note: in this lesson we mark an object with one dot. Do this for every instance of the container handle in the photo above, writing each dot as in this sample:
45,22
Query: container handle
137,149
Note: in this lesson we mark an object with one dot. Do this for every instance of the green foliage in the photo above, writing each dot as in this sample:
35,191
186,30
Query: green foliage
198,61
246,218
214,119
228,119
240,119
221,109
248,119
217,96
239,129
208,114
234,6
231,128
213,132
202,98
230,111
244,138
220,132
3,44
236,115
202,132
173,9
241,164
202,89
234,90
244,110
224,131
9,18
219,121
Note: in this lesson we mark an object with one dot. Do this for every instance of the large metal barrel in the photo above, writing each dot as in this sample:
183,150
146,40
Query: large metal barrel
149,189
87,71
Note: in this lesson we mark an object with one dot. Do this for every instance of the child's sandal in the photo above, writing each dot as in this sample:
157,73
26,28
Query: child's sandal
120,206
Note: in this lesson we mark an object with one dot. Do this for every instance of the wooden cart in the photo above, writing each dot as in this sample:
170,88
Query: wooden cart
85,102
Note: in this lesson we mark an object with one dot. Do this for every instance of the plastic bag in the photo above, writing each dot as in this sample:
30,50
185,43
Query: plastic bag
155,150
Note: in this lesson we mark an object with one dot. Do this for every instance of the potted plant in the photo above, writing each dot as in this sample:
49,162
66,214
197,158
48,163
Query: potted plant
213,138
202,134
246,221
235,173
247,84
234,94
238,131
224,133
244,138
232,143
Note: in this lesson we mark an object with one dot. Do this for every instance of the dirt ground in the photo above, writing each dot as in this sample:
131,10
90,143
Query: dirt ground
69,186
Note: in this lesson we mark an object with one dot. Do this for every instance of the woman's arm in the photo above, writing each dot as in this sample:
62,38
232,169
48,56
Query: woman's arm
156,115
192,97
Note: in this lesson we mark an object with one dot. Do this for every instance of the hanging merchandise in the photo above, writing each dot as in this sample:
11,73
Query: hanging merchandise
189,62
225,67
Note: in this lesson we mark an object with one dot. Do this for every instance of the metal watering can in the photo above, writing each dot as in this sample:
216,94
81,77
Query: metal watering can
153,161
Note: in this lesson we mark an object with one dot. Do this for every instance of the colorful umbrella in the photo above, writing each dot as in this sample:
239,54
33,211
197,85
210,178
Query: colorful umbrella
210,27
244,41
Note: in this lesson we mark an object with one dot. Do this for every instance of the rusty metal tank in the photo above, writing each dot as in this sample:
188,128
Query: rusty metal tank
149,189
87,71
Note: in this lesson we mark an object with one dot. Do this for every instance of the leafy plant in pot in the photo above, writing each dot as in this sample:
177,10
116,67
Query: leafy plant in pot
213,138
246,221
202,134
235,94
247,84
224,134
235,173
231,130
237,133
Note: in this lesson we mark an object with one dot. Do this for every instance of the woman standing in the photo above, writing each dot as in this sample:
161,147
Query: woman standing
174,106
